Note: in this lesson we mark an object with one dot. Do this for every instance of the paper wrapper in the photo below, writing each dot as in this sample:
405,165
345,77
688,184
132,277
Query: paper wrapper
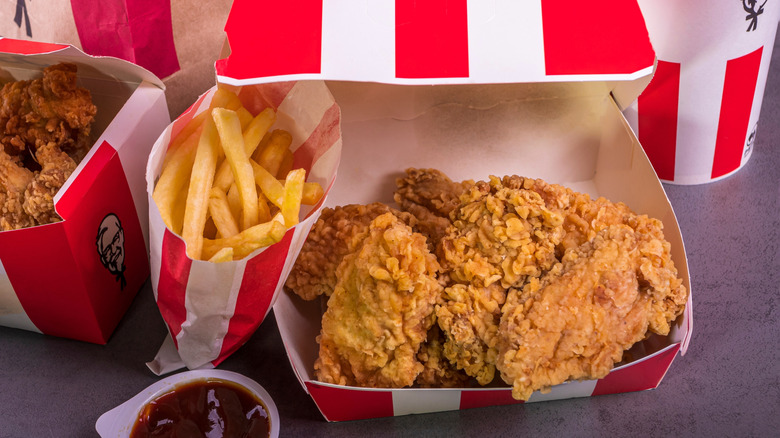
211,309
698,118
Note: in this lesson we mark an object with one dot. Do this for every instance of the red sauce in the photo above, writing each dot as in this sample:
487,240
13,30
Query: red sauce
204,408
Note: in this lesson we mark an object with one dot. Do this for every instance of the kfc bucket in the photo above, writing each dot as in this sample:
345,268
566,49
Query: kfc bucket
465,89
76,277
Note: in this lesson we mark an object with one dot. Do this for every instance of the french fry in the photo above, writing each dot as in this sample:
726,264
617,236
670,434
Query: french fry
229,128
246,241
220,213
252,134
223,255
293,192
312,193
174,176
264,211
234,201
271,187
286,165
257,129
244,116
201,180
270,157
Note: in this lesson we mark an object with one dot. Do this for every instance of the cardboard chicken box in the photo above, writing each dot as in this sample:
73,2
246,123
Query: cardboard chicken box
76,278
472,89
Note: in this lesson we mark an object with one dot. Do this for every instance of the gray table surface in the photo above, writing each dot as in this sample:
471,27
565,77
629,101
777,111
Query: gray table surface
728,383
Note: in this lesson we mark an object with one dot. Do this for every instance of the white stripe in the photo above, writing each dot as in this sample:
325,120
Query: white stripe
419,401
11,312
701,90
505,41
565,390
210,300
301,120
358,40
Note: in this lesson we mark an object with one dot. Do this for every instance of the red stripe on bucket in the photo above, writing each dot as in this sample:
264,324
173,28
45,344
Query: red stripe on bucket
431,39
172,287
739,89
581,37
139,31
255,27
657,120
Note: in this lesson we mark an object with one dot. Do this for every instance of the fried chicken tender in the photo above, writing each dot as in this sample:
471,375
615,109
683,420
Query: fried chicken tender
381,309
51,109
500,237
577,320
336,233
438,372
14,179
430,196
56,168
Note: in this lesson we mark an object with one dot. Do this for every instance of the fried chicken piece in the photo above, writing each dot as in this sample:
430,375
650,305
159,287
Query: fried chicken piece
14,179
56,168
335,234
576,321
437,371
500,237
381,309
51,109
430,196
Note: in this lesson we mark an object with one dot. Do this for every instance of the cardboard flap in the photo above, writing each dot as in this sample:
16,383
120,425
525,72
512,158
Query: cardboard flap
40,55
437,42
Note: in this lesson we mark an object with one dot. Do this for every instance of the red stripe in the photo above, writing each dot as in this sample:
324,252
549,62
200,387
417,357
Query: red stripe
270,38
657,122
646,374
260,97
255,296
487,397
47,282
22,47
739,89
321,139
172,287
139,31
342,404
583,37
431,39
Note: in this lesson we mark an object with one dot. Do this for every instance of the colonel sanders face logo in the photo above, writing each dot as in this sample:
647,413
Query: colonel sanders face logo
111,247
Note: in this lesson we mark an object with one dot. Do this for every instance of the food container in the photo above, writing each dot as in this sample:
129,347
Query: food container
477,89
119,422
53,278
212,309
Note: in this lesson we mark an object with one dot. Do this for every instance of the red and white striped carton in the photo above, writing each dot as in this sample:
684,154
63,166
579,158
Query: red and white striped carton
76,278
473,89
698,118
211,309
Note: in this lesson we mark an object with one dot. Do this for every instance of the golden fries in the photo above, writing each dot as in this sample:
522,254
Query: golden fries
224,209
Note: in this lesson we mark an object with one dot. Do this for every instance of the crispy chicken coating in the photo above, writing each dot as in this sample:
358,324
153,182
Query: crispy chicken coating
381,309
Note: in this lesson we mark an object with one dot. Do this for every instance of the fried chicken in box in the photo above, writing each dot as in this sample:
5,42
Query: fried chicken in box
381,309
46,125
536,281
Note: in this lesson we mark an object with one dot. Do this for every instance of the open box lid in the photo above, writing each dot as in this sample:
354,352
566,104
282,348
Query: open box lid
440,42
40,55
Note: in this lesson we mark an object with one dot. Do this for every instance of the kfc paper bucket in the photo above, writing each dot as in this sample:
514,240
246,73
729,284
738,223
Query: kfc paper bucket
211,309
75,278
464,89
699,117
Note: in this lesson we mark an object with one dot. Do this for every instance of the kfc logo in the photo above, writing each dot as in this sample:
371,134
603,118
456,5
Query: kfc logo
111,247
750,7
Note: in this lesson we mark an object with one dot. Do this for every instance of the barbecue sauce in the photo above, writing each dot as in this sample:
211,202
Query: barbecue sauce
208,408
